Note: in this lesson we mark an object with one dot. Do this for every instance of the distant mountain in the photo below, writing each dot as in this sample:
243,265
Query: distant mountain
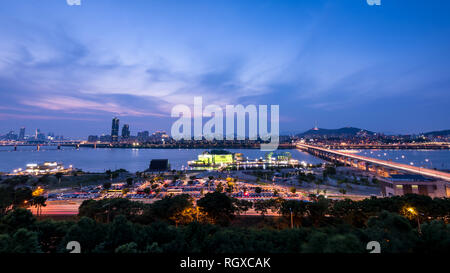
346,131
442,133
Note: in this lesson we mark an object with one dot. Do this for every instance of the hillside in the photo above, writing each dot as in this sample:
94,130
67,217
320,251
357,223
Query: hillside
438,133
346,131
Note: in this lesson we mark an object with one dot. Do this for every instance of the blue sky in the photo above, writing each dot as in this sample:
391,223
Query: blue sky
70,69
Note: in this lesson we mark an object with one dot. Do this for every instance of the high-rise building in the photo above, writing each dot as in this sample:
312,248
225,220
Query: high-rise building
93,138
105,138
10,136
39,136
126,131
143,136
22,133
115,130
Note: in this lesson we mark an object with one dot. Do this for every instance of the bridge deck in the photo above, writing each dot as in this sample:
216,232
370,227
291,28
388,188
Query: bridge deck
389,164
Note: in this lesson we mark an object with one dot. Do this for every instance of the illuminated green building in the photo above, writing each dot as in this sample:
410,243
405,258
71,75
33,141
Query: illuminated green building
215,157
285,156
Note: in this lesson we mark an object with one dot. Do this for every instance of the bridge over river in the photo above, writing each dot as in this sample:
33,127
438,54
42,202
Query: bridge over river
366,163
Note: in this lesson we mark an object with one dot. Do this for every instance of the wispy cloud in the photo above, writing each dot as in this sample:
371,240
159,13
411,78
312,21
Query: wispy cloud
71,104
5,116
309,58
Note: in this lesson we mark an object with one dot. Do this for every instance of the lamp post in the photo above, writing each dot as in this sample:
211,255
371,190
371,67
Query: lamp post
413,212
292,221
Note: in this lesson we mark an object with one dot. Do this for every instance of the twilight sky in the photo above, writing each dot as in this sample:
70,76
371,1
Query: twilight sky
70,69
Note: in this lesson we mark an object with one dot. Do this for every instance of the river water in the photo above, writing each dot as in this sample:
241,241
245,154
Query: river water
439,159
99,160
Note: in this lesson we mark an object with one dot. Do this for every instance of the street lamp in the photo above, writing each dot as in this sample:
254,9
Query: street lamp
414,213
411,210
292,222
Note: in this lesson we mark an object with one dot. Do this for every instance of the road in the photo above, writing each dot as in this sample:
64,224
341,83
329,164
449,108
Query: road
63,207
384,163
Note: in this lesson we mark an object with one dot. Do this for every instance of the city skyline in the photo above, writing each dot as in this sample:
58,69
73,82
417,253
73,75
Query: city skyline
381,68
120,132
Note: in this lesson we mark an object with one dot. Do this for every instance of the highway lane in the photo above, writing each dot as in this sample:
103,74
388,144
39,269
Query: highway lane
389,164
62,207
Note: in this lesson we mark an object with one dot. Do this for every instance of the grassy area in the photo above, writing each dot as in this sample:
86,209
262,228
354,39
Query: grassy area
79,180
52,182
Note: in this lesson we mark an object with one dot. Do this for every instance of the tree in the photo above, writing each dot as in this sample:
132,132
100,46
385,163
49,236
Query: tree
51,233
38,202
218,206
44,180
296,207
87,232
230,187
435,238
393,231
25,241
21,196
293,189
329,171
316,242
317,209
6,199
349,211
127,248
108,174
5,243
120,232
219,187
105,210
168,208
19,218
16,181
344,243
107,185
243,205
153,248
129,181
59,176
262,206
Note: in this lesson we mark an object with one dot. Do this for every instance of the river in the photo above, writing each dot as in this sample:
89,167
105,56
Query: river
99,160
